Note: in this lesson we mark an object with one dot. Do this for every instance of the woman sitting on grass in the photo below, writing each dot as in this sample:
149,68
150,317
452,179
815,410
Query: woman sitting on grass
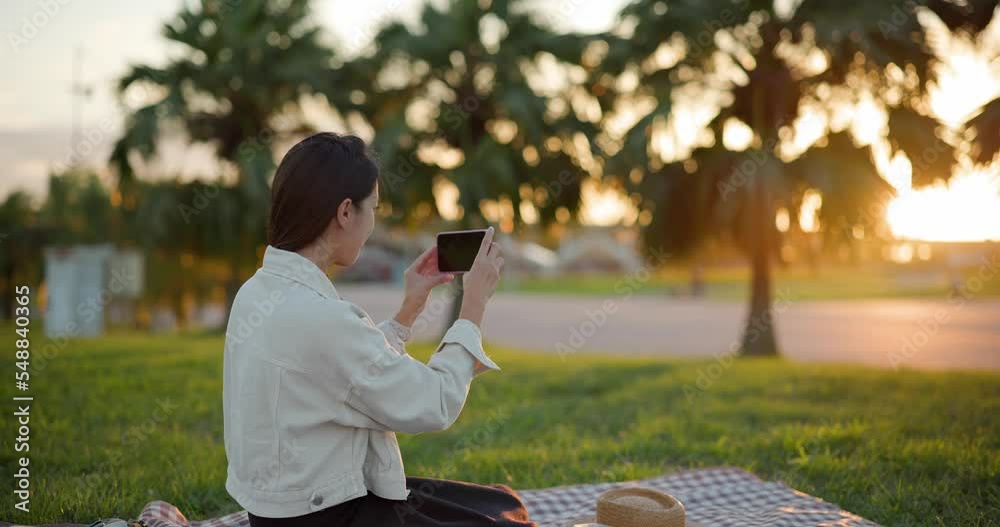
314,391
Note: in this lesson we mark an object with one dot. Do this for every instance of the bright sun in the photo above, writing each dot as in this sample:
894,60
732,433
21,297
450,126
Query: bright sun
968,207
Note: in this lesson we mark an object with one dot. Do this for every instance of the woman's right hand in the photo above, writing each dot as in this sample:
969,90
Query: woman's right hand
481,280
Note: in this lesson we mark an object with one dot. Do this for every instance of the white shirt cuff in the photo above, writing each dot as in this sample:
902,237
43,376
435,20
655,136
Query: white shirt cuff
395,333
403,332
466,333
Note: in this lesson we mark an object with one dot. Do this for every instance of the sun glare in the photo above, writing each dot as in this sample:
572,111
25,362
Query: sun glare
808,215
604,206
967,209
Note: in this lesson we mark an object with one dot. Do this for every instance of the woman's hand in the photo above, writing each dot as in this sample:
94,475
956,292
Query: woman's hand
420,277
481,281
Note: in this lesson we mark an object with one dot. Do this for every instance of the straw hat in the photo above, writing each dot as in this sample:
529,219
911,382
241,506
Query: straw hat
639,507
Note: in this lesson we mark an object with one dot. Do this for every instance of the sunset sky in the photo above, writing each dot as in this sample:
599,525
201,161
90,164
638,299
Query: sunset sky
36,102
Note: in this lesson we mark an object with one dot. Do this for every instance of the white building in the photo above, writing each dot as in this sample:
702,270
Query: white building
83,281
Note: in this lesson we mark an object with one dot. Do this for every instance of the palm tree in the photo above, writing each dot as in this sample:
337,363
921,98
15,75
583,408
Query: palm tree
971,18
755,58
457,100
243,71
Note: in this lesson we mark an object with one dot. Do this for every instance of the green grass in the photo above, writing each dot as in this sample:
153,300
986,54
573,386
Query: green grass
827,283
907,448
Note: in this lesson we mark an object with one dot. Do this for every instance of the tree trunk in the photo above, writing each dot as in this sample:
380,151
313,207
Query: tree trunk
456,303
758,335
177,305
697,280
476,132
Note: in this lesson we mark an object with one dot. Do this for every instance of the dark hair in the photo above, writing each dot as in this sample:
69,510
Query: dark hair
313,179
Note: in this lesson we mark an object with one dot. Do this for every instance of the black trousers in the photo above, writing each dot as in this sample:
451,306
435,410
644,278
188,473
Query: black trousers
432,503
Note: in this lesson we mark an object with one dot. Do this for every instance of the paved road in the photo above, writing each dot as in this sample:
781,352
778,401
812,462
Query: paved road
930,334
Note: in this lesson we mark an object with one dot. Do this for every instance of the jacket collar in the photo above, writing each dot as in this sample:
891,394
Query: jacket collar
299,269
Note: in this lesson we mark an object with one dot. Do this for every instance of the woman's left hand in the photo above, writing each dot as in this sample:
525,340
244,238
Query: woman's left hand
420,277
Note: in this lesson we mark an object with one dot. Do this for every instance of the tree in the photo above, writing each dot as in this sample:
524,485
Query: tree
77,209
243,72
458,100
985,124
20,248
759,62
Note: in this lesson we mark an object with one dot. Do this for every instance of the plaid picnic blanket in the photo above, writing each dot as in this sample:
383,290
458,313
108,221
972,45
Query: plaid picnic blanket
716,497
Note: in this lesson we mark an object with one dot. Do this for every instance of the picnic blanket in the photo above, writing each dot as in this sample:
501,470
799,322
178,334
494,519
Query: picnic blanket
716,497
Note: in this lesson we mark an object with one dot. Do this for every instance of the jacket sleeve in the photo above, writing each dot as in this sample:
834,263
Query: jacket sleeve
392,388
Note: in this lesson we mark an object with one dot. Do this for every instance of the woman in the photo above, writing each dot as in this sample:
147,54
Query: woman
314,390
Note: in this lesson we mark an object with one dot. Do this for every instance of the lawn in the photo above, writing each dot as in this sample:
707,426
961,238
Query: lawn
128,419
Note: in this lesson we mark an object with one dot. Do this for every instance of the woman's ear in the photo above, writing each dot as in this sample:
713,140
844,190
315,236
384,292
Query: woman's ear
345,213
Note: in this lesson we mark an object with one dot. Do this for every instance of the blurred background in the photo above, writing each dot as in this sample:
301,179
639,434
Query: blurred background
706,161
674,183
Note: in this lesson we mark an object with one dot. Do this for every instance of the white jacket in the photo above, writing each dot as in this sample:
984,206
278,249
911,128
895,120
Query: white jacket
313,392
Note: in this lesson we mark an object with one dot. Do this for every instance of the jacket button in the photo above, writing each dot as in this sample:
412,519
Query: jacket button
318,500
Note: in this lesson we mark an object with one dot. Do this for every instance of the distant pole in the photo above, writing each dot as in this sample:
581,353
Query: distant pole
78,91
